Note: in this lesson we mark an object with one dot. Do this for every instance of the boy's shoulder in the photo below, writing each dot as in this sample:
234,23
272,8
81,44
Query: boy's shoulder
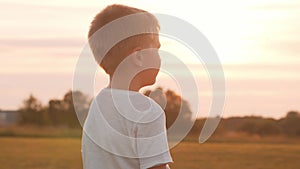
134,105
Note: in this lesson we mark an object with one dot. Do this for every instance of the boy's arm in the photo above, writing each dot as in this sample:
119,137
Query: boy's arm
152,145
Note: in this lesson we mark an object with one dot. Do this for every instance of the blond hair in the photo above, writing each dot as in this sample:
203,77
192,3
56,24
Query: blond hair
114,56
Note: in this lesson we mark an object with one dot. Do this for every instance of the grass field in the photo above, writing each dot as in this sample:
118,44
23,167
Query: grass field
64,153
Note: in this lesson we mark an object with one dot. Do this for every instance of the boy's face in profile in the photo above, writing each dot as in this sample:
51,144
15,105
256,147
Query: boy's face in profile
139,68
151,62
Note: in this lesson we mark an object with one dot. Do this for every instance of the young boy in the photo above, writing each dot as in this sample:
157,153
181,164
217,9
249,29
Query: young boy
125,129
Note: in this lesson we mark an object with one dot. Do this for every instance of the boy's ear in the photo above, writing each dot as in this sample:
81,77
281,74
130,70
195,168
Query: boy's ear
137,57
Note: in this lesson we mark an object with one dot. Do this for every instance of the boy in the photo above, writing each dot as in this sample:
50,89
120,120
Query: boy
125,129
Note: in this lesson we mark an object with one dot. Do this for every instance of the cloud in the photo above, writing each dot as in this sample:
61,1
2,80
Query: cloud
42,43
279,6
263,71
286,48
20,20
34,5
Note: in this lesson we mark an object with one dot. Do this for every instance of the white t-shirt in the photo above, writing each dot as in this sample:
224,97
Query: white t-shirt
124,130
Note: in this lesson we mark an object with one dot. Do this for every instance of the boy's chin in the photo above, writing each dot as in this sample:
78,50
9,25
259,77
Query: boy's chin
150,83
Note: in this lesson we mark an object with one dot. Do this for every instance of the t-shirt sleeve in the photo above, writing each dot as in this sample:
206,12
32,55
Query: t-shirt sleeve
152,143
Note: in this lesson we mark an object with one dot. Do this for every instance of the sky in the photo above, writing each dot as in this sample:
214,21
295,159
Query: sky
257,42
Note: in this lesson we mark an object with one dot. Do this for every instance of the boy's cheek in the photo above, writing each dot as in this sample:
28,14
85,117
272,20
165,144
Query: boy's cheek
151,73
153,61
154,67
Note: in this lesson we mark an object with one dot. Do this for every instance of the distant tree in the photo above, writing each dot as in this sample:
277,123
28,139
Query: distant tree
268,127
260,126
292,114
33,112
75,103
291,124
56,110
175,107
62,112
248,127
198,125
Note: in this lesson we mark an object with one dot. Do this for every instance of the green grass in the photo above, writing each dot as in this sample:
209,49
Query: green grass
236,155
40,153
64,153
42,131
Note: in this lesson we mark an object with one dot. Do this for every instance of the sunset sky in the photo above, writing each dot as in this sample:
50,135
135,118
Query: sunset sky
257,41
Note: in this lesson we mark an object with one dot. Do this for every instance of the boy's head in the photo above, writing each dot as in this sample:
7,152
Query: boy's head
132,45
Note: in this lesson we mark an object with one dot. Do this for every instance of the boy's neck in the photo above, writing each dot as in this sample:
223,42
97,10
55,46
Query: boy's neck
134,85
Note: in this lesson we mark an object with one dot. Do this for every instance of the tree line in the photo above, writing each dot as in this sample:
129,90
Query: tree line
255,125
58,112
61,112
